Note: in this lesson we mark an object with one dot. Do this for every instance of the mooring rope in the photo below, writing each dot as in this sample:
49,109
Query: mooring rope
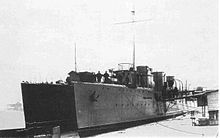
187,132
217,135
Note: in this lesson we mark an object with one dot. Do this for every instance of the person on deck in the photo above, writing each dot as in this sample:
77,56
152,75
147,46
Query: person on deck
119,78
99,76
106,75
175,91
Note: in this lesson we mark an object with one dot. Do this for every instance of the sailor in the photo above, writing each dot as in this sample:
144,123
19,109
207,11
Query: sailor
106,75
170,93
119,78
99,76
127,80
175,91
164,91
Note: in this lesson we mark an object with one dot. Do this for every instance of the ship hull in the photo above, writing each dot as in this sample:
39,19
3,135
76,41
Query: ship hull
84,106
105,104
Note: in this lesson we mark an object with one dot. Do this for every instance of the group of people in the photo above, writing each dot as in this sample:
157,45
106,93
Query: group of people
122,78
170,93
105,75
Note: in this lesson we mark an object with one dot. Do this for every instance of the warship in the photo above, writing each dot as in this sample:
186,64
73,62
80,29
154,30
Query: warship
84,102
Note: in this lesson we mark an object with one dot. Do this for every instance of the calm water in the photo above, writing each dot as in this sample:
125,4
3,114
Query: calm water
11,120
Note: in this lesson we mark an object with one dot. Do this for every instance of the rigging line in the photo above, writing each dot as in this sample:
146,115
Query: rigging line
170,107
188,106
169,102
217,135
187,132
166,119
133,21
184,104
185,109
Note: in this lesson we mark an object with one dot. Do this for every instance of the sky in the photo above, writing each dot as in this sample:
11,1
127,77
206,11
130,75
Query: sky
37,39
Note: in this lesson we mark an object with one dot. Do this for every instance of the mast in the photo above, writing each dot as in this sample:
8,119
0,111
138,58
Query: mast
75,58
133,30
133,20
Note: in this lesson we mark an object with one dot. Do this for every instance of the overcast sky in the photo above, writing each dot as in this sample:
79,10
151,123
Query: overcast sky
37,39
